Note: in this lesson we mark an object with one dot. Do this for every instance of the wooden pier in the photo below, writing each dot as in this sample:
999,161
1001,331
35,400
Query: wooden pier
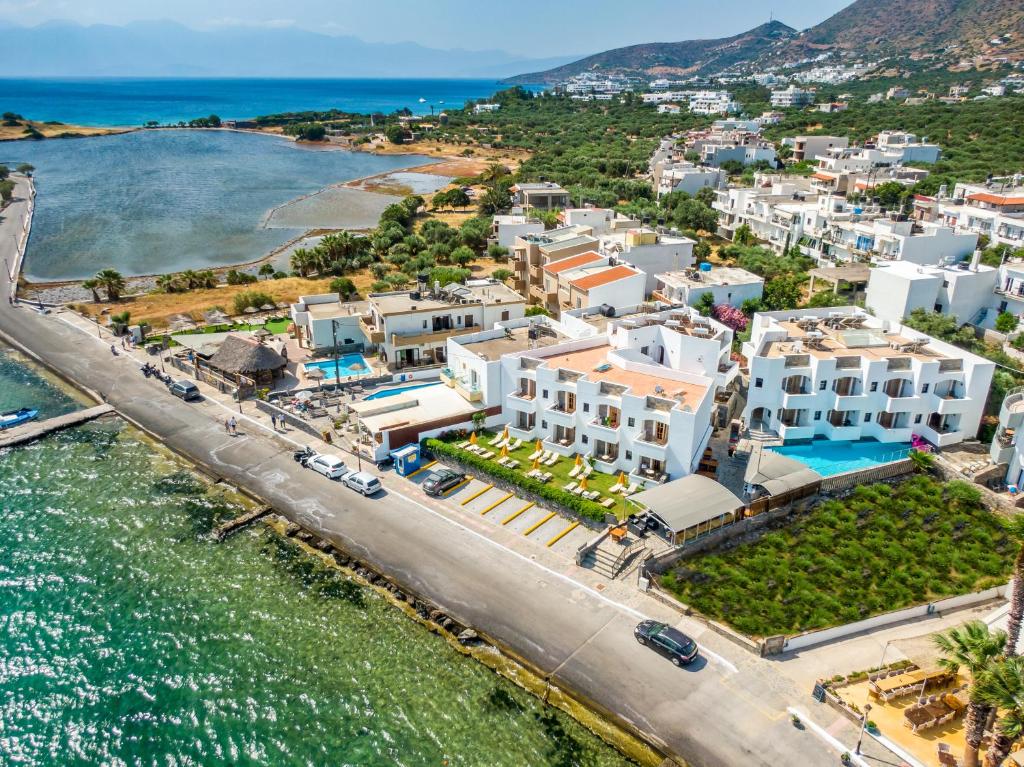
33,430
233,525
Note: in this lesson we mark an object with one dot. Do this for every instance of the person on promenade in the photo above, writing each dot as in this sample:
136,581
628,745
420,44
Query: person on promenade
234,426
273,420
227,425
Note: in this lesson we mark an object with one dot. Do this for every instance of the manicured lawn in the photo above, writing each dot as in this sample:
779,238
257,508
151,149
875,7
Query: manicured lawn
880,549
275,325
560,471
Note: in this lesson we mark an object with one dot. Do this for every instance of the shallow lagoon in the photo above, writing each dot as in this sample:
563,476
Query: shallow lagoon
162,201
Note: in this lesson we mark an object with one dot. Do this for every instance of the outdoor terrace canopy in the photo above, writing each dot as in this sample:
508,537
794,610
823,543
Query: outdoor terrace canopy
777,473
688,506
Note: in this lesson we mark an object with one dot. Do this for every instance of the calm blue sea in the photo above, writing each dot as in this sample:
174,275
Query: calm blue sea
128,101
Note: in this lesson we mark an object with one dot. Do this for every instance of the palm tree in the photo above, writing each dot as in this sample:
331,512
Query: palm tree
1002,688
112,282
206,279
975,648
303,261
1015,527
168,283
92,285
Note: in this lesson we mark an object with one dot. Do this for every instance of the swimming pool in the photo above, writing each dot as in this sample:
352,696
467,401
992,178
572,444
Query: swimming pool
401,390
828,457
349,366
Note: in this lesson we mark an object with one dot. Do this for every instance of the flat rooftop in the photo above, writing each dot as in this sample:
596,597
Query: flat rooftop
718,276
640,384
515,340
490,294
867,342
424,405
334,309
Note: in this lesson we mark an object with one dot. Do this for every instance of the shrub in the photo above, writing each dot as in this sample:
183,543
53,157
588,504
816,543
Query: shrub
254,298
343,285
554,495
235,277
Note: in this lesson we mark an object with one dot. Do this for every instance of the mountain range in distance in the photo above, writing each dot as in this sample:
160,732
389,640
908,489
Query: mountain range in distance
953,29
168,49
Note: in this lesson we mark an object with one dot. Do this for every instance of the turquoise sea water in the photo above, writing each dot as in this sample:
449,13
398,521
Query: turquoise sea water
160,201
130,101
128,637
827,457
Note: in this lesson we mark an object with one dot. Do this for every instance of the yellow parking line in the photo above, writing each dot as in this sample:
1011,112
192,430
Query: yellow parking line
562,534
477,495
496,503
535,525
515,514
424,467
463,483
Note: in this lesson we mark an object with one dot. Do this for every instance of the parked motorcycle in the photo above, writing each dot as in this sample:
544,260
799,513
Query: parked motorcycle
302,457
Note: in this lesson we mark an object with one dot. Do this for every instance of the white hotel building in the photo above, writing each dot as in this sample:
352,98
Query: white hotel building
842,374
635,393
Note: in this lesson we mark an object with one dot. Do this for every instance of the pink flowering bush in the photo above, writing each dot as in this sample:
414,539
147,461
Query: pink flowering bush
731,317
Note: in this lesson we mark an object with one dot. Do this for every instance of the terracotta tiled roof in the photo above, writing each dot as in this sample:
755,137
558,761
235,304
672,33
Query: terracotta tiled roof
603,278
573,262
995,199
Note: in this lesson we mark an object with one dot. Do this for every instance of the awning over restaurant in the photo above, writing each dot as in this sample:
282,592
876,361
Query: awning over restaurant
687,502
777,473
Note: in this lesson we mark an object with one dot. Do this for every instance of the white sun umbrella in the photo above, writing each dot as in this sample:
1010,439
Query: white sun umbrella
303,396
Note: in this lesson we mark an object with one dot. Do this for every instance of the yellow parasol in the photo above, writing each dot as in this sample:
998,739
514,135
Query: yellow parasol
504,451
536,462
538,446
622,478
578,459
583,483
472,438
505,433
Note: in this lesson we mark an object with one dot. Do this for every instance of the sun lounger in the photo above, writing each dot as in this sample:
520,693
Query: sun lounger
578,491
616,488
588,470
633,487
496,440
548,476
575,471
532,473
463,445
593,495
552,460
608,502
487,454
535,455
512,464
569,486
516,444
502,461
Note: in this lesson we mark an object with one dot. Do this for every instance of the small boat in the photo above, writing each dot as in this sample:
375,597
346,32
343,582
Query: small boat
17,417
423,101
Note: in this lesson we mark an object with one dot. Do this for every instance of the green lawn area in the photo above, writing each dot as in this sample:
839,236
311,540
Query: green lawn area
882,548
560,470
275,325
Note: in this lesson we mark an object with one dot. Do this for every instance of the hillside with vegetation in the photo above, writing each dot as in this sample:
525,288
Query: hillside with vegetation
681,58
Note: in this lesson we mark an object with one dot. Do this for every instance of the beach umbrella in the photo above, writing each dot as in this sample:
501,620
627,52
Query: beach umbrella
316,374
472,438
583,483
622,479
578,459
250,310
264,333
304,396
504,451
538,446
536,463
267,308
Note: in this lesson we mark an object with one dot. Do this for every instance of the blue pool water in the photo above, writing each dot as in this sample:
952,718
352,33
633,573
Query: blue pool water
392,392
349,366
827,457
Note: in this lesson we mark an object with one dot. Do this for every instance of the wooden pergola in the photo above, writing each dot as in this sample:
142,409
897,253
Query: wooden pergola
855,274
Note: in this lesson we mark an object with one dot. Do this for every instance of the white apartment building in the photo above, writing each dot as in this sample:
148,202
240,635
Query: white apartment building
1008,446
774,209
505,229
902,147
713,103
810,147
994,211
480,109
888,238
726,284
325,319
600,221
687,177
734,146
411,328
669,109
591,280
843,374
649,250
634,393
792,97
963,290
542,195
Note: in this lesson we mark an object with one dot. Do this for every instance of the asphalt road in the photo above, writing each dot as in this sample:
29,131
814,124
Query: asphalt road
707,715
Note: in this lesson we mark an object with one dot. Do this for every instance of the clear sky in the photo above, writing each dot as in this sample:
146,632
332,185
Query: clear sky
533,28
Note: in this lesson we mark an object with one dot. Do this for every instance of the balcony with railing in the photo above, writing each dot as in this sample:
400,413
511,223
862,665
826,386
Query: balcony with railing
897,389
898,363
527,390
562,440
608,417
653,433
605,452
843,425
372,333
564,402
798,360
891,421
946,428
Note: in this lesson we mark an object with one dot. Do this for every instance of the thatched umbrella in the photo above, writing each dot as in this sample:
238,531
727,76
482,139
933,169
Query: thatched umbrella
216,317
267,308
316,374
262,333
244,356
250,310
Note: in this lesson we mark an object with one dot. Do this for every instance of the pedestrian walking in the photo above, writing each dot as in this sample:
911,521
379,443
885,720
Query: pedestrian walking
227,425
123,346
234,426
273,420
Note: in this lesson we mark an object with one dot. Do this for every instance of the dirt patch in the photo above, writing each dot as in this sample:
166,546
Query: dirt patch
59,130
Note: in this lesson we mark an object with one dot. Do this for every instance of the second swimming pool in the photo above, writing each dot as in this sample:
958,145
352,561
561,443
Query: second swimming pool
827,457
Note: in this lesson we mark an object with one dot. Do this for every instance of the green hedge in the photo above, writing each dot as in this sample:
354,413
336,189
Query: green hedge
555,495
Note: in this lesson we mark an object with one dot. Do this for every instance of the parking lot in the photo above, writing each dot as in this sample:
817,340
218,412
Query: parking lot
544,527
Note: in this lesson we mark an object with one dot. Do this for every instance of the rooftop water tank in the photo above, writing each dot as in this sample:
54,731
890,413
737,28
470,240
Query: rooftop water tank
705,267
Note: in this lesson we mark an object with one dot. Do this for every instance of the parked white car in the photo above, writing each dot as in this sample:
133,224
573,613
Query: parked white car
363,482
330,466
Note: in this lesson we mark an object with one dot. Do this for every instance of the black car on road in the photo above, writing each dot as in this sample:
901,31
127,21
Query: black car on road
670,642
441,481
